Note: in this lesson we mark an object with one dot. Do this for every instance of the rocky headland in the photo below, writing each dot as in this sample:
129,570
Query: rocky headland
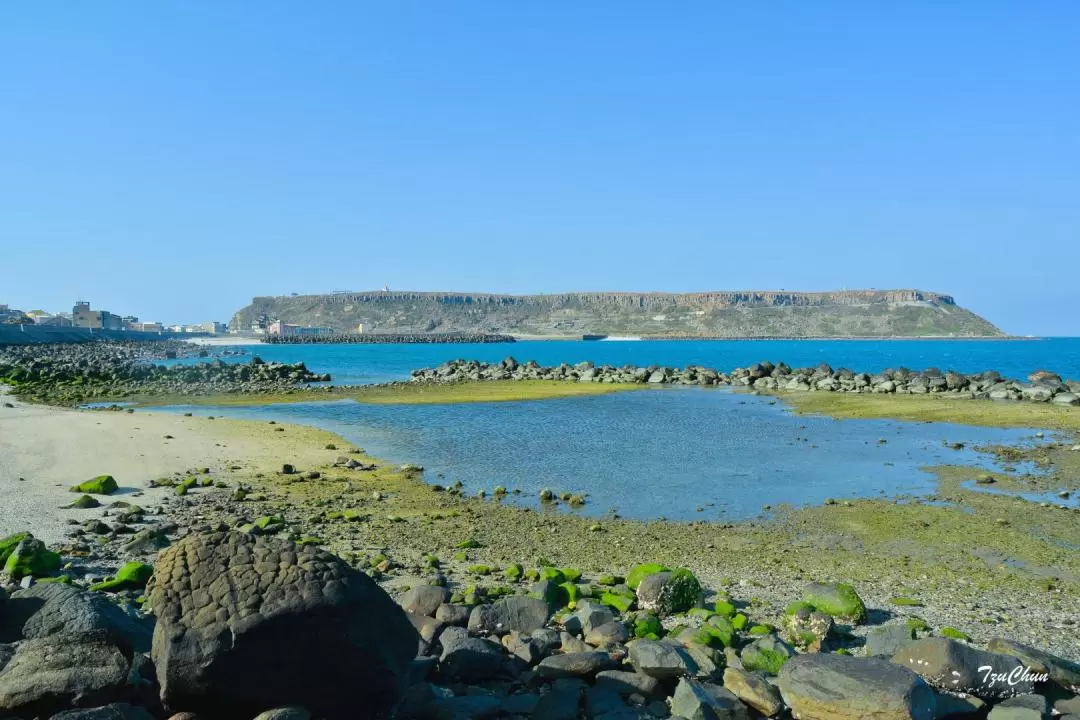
730,314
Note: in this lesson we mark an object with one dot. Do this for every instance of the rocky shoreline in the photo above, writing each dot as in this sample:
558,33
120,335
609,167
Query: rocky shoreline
250,619
768,377
91,372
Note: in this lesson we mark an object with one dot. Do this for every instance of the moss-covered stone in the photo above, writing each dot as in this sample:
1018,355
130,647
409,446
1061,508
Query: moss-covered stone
739,622
647,625
131,576
721,629
480,569
608,580
554,575
85,502
101,485
680,593
616,601
918,624
569,594
640,572
571,574
470,544
24,555
906,602
761,629
765,656
270,523
953,633
185,485
513,572
797,606
836,599
725,608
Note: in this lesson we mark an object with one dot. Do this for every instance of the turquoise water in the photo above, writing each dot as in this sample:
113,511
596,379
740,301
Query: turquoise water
650,454
380,363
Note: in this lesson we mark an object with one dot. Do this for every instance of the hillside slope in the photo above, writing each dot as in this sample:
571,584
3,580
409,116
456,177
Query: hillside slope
849,313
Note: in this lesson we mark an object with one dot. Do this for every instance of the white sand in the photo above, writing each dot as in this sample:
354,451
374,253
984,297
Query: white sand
45,450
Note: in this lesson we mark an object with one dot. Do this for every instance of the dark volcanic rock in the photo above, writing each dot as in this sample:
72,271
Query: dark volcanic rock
822,686
116,711
55,673
246,623
52,608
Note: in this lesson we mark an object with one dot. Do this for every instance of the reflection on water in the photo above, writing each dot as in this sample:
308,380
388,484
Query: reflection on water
655,453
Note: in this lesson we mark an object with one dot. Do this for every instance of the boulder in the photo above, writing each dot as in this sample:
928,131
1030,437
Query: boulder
1064,672
245,623
696,700
23,555
520,613
576,664
101,485
956,667
838,687
766,654
54,608
664,660
115,711
630,683
755,690
423,599
836,599
51,674
667,593
470,659
1021,707
887,640
607,635
589,615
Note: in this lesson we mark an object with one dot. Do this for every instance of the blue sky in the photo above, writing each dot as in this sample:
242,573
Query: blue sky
174,159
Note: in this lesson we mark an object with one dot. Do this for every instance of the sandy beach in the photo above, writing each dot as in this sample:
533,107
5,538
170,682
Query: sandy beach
46,450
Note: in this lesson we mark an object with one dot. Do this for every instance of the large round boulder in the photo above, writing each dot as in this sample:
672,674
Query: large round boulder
247,623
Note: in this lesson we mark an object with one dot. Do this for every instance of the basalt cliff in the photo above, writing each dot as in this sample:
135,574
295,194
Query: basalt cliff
730,314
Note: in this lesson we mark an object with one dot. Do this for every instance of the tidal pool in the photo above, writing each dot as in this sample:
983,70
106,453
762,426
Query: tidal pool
681,454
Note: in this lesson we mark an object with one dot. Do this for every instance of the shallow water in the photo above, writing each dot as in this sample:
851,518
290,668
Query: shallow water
656,453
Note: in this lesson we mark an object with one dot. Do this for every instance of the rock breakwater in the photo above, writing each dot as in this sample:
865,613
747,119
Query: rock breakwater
1041,386
72,374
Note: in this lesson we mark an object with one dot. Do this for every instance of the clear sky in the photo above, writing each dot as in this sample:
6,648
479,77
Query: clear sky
173,159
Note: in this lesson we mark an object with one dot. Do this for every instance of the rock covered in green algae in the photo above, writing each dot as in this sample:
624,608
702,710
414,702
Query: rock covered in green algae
132,576
101,485
640,572
23,555
836,599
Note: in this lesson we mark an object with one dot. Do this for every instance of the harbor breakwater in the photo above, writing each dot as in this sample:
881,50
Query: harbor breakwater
1041,386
